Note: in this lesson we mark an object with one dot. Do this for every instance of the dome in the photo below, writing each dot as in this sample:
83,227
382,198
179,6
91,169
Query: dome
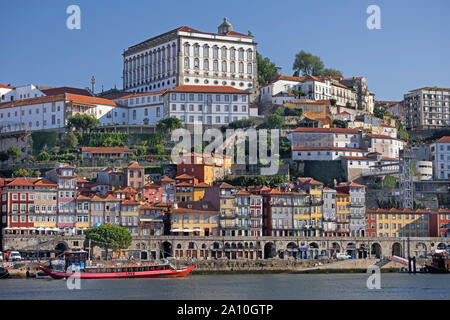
225,26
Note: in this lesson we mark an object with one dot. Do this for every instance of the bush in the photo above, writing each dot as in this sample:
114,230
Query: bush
43,156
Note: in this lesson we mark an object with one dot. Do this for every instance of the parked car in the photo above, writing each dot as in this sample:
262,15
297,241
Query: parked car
343,256
15,256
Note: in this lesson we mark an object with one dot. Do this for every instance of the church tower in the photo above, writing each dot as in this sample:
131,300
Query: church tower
225,27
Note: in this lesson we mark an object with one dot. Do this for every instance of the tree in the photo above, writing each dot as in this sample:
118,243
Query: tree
308,64
333,102
340,124
108,237
82,121
266,69
274,121
22,173
243,123
159,149
169,124
43,156
14,153
328,72
380,112
71,141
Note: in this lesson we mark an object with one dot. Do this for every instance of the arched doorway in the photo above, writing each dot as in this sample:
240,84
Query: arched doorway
422,251
292,250
362,251
313,250
441,246
397,249
269,250
335,248
351,250
375,250
166,250
62,246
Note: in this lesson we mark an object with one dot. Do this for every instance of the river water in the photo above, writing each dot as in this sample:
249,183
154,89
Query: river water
240,286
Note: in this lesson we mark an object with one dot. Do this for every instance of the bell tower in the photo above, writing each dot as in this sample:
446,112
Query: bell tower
225,27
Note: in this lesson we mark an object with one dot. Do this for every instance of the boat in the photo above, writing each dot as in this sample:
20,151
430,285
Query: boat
74,265
440,262
121,271
4,273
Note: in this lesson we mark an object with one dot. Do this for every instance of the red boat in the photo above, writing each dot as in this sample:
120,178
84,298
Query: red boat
135,271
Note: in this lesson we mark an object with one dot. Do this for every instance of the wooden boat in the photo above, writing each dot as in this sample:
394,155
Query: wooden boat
117,271
440,263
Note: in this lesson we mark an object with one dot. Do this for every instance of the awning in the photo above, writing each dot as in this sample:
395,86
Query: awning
188,230
176,230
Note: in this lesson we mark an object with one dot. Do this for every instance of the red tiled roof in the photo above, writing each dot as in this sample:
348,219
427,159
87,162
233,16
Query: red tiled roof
151,185
141,94
101,150
184,176
207,89
184,184
74,98
135,165
202,185
129,202
20,182
298,79
242,192
315,102
44,182
225,185
5,87
369,159
327,130
167,179
445,139
326,148
62,90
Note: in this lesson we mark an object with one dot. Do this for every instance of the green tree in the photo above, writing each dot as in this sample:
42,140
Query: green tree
43,156
243,123
328,72
159,149
274,121
266,69
308,64
22,173
14,153
169,124
82,122
71,141
333,102
340,124
380,112
108,237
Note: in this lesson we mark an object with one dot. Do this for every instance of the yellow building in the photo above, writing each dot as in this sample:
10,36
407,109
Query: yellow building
342,214
45,205
227,205
401,223
194,218
314,189
311,109
129,216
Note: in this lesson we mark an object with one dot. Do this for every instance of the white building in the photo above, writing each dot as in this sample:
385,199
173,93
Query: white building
427,108
143,108
326,137
440,155
185,56
210,105
51,112
313,88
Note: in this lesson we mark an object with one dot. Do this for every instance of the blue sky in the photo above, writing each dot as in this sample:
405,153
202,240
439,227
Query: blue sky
411,50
